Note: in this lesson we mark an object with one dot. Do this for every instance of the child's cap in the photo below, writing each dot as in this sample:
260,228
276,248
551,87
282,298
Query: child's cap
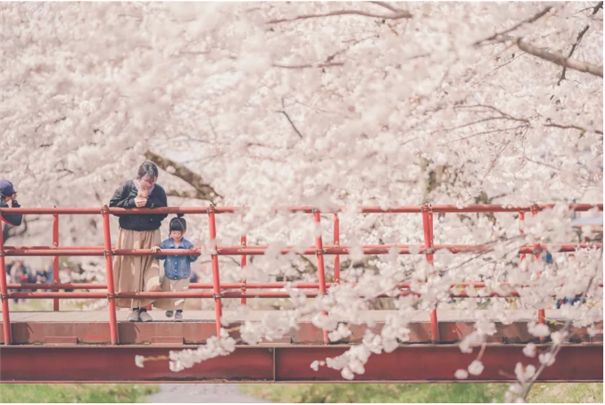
178,223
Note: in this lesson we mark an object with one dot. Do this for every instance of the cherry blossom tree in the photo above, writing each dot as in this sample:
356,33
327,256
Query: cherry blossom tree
325,104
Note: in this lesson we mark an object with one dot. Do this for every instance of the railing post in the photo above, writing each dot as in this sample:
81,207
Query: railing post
427,224
321,270
522,229
111,296
243,267
56,278
6,323
541,312
216,282
336,243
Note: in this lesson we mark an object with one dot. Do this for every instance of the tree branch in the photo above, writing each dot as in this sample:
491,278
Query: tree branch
554,57
203,190
318,65
523,120
289,119
573,48
387,6
574,127
397,15
559,59
580,36
529,20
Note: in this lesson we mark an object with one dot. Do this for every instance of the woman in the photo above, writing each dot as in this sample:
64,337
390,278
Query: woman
138,231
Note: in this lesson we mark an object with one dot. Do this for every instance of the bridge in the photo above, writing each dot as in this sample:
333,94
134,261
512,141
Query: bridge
100,346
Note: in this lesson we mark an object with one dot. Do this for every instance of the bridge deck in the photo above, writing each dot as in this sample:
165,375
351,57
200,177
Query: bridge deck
91,327
80,340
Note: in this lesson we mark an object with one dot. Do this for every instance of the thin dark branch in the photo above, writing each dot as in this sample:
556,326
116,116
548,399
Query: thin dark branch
541,163
484,133
494,161
283,103
53,122
490,107
595,10
395,16
318,65
498,68
387,6
529,20
573,48
526,121
574,127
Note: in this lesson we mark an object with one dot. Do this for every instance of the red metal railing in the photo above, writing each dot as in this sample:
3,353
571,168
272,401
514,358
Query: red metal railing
219,291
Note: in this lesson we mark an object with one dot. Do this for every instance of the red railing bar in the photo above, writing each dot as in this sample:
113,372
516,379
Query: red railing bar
6,324
427,225
336,243
56,258
328,250
218,309
113,322
225,294
96,211
243,262
522,229
228,294
58,286
321,271
251,286
227,250
474,208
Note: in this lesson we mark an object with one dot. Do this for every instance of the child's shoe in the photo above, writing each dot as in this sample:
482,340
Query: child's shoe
134,316
145,317
178,316
169,314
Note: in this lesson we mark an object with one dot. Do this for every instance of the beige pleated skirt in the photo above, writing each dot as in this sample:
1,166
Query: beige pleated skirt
136,273
172,304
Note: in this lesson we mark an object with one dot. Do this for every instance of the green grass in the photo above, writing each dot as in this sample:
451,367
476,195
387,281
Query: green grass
51,393
571,393
421,393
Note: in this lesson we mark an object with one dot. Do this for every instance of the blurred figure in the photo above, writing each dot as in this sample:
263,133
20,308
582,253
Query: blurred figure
50,274
18,276
66,277
8,199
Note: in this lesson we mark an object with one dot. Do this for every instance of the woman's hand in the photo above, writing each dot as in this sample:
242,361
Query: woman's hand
140,202
155,249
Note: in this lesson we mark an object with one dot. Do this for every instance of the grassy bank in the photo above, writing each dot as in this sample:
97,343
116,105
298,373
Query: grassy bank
51,393
421,393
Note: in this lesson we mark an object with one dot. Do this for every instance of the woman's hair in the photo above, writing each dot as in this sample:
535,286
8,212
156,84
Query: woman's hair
148,168
178,223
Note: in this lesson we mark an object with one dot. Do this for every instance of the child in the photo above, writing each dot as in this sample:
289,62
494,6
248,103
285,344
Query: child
177,269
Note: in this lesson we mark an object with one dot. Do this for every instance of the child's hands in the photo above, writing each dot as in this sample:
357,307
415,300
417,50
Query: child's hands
155,249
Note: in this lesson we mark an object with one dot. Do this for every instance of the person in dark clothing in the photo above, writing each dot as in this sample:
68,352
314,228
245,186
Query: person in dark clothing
8,195
140,193
138,231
